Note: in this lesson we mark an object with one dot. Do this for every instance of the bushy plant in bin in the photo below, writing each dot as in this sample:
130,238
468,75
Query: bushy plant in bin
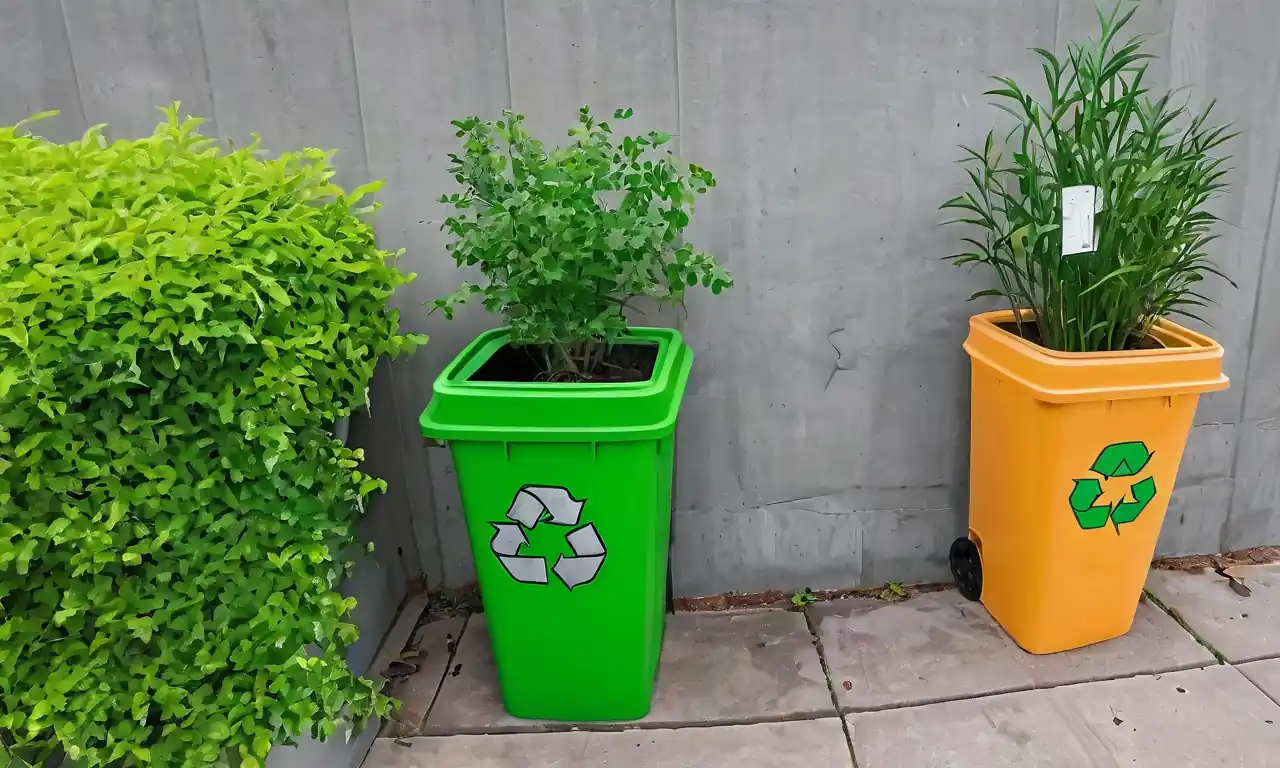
1152,161
567,238
180,327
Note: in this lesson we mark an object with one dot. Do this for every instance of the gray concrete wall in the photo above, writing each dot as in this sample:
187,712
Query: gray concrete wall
823,440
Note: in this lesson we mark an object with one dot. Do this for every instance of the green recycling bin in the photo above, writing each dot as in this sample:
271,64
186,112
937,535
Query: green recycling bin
566,489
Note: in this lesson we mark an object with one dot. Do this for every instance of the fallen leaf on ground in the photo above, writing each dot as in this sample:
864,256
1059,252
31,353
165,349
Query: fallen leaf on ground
893,592
398,669
1234,581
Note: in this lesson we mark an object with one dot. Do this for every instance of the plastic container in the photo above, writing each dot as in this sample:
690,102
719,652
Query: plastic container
567,494
1072,460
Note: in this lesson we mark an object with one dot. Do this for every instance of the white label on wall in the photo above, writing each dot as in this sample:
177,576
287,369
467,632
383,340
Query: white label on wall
1079,204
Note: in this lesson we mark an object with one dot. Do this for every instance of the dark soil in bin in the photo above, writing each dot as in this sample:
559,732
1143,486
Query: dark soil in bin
629,362
1031,332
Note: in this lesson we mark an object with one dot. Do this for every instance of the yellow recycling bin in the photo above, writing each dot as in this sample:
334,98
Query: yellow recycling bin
1072,459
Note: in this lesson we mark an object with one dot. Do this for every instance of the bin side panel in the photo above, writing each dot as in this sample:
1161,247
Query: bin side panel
1006,438
1131,449
661,548
575,613
1068,501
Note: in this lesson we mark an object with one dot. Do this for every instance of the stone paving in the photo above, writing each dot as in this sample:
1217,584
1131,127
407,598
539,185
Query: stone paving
929,681
1239,628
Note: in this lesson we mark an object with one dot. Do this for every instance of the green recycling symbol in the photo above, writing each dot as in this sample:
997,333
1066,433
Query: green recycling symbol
1116,460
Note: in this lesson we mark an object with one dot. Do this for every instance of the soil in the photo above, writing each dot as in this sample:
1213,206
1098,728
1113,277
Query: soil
1197,563
443,603
466,600
781,599
630,362
1031,332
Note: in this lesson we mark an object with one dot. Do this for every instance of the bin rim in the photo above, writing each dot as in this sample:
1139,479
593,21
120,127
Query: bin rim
1187,363
488,419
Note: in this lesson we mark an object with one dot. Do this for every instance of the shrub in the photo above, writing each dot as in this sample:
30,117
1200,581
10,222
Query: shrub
567,238
1152,164
180,327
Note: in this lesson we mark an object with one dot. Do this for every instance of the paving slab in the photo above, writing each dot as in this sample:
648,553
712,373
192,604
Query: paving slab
715,668
1207,717
432,646
1240,628
939,646
739,665
803,744
1265,674
1154,644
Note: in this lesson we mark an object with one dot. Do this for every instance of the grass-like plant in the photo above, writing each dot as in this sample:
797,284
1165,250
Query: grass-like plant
1153,164
180,327
566,238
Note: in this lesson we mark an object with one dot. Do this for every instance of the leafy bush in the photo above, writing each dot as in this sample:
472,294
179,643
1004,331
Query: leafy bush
179,330
566,239
1151,161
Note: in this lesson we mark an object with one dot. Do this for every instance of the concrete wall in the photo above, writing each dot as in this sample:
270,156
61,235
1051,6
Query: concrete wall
823,441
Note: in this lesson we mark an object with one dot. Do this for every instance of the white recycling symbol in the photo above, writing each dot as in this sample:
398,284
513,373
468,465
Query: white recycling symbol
554,505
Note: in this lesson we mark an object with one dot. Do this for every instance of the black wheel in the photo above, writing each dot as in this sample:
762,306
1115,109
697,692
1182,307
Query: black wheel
966,567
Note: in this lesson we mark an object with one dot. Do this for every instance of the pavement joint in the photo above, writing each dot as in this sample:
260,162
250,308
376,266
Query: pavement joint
1252,659
466,622
831,683
801,744
1274,699
622,727
394,727
1022,689
1176,616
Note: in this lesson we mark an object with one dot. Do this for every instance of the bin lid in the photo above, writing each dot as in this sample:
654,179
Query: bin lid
463,409
1183,363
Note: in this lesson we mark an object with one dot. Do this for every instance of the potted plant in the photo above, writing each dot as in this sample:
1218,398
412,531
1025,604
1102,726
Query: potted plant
561,422
180,328
1092,218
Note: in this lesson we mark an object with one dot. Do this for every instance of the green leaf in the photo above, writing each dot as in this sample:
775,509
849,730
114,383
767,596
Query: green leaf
262,744
987,292
359,192
568,238
277,294
192,319
1101,123
29,444
8,377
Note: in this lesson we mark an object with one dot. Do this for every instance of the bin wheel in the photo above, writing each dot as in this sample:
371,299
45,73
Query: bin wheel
966,567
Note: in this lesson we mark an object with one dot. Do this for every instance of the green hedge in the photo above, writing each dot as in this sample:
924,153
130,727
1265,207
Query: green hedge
180,327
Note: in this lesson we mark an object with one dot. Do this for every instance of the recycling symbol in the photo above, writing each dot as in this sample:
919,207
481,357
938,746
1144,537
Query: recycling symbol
1116,460
534,504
